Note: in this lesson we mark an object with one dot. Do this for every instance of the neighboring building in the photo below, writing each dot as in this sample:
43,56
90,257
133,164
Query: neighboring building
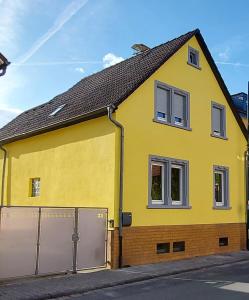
183,164
240,102
3,64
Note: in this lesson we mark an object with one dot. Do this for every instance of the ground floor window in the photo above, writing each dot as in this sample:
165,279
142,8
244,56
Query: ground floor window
221,193
168,182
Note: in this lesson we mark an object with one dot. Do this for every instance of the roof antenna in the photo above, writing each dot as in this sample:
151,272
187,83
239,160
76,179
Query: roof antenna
139,48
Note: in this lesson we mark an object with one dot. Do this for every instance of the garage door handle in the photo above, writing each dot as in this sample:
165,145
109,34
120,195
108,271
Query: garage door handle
75,237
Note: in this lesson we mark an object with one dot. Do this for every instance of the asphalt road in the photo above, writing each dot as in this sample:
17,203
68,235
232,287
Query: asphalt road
226,282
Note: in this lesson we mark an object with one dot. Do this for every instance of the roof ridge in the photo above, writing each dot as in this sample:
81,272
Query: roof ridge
133,56
110,67
111,85
195,31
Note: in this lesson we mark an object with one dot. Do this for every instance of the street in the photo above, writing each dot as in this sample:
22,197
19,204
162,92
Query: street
225,282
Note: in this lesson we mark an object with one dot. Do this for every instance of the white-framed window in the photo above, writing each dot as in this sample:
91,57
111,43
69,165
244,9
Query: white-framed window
218,118
176,184
193,57
221,187
171,105
168,182
157,183
35,187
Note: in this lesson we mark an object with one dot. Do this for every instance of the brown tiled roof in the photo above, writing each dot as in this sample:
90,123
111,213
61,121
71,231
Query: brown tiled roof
90,97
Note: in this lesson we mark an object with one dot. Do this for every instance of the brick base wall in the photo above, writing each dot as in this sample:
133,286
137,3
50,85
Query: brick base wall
140,243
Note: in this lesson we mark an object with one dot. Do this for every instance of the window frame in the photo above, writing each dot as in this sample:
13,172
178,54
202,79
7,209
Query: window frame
167,199
180,167
222,203
223,134
225,204
153,201
195,52
170,120
34,195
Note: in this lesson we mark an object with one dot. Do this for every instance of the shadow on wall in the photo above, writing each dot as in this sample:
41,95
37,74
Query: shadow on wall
84,131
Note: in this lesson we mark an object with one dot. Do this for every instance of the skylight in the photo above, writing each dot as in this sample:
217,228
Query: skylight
57,110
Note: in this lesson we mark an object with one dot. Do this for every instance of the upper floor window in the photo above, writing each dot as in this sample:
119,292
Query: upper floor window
35,187
193,57
221,199
168,182
218,120
171,105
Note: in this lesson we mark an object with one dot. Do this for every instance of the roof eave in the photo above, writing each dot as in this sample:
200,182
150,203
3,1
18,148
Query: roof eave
82,118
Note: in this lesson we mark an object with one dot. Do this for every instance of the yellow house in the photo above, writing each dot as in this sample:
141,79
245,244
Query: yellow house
154,139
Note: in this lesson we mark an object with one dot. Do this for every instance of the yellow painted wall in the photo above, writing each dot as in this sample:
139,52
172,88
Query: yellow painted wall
144,137
76,165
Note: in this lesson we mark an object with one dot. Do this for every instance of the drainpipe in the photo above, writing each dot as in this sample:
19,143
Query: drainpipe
110,110
3,173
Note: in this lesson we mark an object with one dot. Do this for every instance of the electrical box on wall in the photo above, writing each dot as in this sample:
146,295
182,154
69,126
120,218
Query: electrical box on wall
126,218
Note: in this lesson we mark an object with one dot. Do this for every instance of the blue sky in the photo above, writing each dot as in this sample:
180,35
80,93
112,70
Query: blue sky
52,44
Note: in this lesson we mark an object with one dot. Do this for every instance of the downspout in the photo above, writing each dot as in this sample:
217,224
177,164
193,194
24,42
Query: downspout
3,174
110,110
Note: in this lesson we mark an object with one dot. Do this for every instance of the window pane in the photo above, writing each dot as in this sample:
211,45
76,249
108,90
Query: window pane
35,187
163,98
217,120
193,58
176,172
157,183
218,187
179,109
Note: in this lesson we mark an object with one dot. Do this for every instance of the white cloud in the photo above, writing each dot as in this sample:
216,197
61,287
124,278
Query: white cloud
7,114
81,70
9,82
234,64
57,63
59,22
225,54
13,14
11,24
111,59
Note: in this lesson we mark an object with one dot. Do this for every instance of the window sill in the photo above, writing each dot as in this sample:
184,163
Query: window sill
222,207
161,206
173,125
219,137
192,65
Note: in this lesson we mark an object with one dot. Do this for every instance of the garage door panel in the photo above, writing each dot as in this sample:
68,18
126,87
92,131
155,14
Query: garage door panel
18,241
92,238
56,246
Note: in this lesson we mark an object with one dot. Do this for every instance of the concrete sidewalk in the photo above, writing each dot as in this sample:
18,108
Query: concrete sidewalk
58,286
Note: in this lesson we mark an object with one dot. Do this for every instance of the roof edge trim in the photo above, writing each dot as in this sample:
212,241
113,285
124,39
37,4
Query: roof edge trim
88,116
